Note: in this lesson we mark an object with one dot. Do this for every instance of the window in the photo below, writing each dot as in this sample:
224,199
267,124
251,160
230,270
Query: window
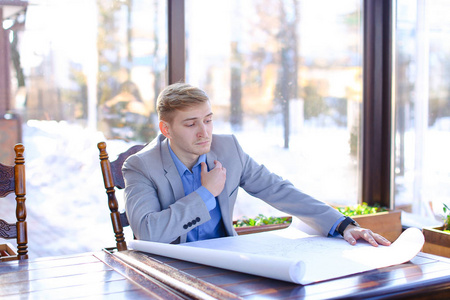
286,78
96,59
422,109
93,69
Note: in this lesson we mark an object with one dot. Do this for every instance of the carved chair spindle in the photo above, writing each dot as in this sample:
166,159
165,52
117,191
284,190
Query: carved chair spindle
12,179
113,178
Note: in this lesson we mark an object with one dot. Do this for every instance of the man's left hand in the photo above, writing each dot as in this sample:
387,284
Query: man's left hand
353,233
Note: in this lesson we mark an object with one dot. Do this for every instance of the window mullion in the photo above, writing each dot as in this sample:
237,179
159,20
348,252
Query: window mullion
377,111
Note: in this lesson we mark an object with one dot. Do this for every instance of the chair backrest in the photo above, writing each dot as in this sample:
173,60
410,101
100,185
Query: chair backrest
113,178
12,179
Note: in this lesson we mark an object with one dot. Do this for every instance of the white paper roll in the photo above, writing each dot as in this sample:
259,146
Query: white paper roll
261,265
290,255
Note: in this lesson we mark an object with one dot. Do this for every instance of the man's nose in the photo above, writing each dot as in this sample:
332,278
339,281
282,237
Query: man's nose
202,130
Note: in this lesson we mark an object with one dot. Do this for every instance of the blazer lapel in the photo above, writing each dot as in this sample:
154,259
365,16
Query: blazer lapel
223,197
171,171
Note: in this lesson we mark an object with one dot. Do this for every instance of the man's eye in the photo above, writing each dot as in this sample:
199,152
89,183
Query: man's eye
190,125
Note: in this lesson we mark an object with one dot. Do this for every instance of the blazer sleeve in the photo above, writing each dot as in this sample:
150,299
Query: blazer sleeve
153,211
259,182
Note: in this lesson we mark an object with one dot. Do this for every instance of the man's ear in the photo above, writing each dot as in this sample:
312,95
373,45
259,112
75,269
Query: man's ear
164,127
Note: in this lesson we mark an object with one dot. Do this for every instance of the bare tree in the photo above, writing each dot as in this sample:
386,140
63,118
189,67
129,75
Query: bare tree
279,19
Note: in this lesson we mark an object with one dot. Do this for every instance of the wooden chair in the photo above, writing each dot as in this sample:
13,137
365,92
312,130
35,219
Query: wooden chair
113,178
12,179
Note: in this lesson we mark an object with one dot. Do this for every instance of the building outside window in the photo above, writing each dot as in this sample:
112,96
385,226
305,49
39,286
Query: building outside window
101,63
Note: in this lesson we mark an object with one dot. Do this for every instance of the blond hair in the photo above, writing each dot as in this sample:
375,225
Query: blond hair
178,96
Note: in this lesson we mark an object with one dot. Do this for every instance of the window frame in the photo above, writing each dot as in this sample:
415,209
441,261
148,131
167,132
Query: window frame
377,102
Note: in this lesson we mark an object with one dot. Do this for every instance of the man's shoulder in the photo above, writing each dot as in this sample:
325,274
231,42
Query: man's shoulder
151,149
224,143
223,139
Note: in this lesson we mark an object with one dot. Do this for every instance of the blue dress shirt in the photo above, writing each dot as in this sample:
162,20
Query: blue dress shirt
192,183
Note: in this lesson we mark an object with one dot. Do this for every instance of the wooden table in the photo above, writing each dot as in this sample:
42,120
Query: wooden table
137,275
87,275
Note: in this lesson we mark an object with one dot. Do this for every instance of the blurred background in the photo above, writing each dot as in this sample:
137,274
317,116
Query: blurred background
286,77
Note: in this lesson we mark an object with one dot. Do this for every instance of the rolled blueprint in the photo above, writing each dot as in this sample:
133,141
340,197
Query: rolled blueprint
290,254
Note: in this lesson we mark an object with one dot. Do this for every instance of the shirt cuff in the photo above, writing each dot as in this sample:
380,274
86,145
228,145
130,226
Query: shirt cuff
207,197
333,231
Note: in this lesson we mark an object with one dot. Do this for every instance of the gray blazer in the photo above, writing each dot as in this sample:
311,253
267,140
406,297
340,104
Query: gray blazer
159,211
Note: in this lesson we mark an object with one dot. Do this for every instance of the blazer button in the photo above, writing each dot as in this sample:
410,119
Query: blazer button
194,222
197,219
190,224
185,226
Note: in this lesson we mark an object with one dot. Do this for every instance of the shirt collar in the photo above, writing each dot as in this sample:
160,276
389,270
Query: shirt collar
180,166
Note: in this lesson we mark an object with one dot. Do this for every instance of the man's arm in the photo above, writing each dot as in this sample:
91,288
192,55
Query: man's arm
281,194
152,210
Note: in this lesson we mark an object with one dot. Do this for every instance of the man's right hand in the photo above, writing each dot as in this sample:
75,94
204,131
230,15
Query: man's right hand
214,180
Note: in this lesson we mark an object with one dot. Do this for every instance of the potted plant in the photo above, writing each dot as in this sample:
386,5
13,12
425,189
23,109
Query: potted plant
261,223
378,219
437,239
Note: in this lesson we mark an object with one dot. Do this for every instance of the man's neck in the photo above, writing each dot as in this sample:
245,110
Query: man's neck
188,160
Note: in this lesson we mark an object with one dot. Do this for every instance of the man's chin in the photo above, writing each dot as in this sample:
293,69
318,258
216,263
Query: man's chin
204,149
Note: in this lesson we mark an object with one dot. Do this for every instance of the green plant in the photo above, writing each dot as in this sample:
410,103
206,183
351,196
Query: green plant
360,209
446,210
261,220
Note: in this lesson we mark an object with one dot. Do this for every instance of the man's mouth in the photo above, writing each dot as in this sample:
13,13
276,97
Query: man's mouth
202,143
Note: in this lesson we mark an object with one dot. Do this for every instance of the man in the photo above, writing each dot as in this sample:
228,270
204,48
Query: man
182,187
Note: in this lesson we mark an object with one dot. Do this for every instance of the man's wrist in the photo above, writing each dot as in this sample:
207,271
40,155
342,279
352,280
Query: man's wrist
344,224
207,197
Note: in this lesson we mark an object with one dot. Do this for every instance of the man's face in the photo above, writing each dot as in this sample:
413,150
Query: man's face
190,132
